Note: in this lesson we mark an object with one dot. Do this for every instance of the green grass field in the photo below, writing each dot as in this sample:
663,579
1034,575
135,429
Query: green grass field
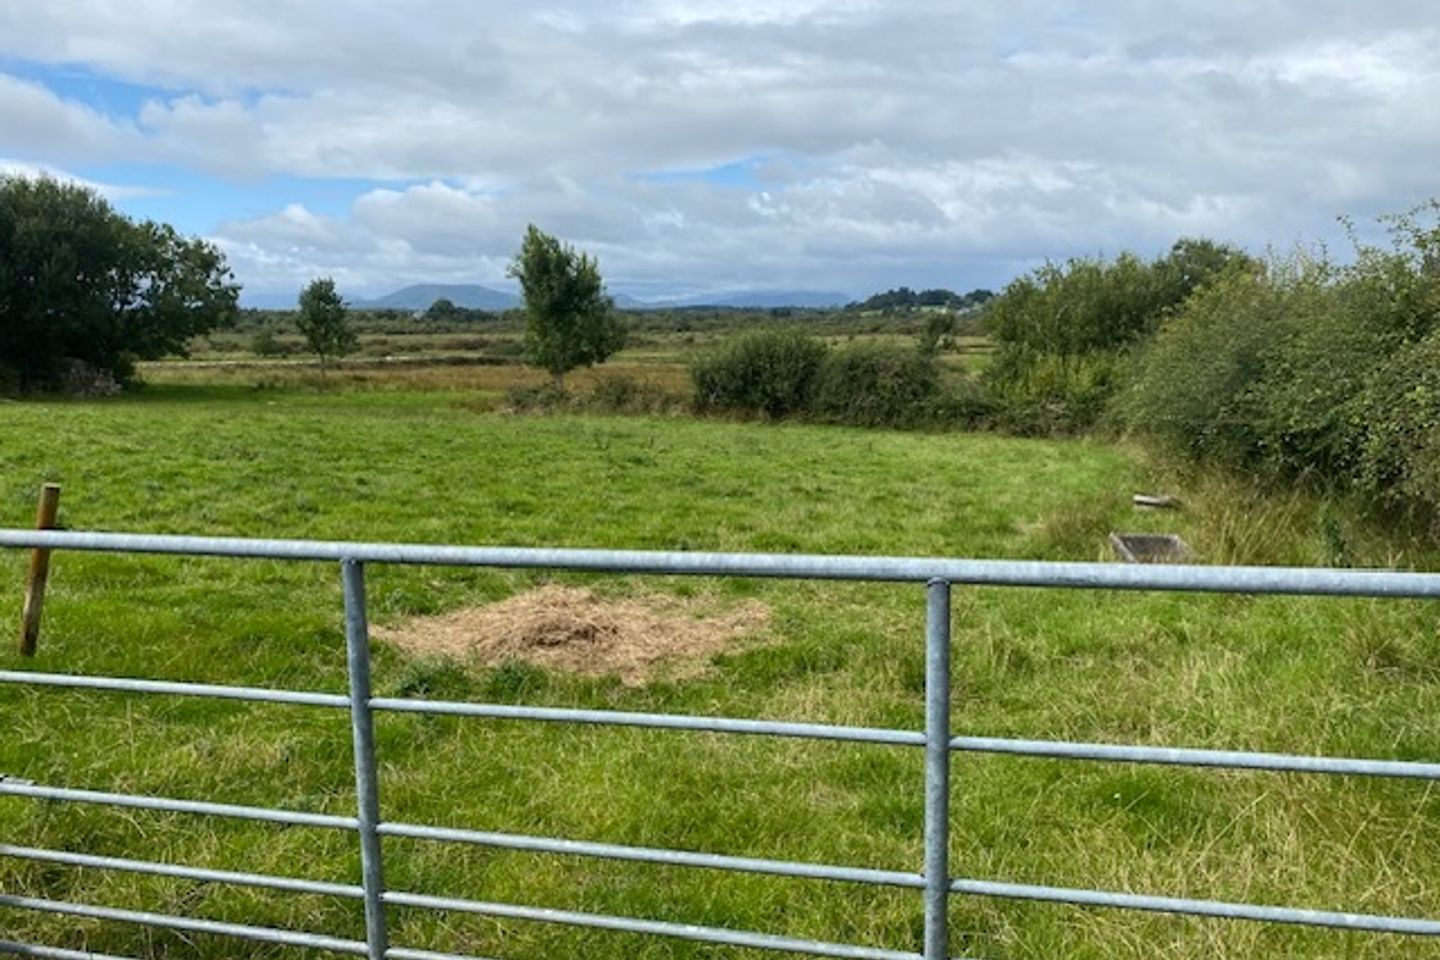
1341,677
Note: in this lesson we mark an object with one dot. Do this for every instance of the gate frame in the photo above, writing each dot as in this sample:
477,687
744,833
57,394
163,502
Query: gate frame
935,882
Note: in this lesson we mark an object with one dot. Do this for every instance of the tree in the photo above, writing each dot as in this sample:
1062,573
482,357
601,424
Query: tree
324,321
939,326
442,311
80,282
569,320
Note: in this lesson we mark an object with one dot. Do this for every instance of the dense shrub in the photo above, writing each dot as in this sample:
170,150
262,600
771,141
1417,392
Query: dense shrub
772,373
1307,369
1058,395
1398,463
1338,331
619,393
873,385
612,393
1197,385
966,404
537,398
1061,330
265,343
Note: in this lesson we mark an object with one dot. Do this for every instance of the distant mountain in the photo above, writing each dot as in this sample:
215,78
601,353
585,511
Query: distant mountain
745,299
419,296
764,299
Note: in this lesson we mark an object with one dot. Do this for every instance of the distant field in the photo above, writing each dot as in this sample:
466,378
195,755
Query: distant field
419,455
659,355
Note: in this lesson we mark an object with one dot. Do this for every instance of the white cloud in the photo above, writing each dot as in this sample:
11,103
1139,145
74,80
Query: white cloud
110,191
955,139
848,228
749,13
33,120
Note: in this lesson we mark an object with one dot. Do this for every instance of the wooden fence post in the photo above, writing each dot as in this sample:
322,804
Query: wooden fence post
39,571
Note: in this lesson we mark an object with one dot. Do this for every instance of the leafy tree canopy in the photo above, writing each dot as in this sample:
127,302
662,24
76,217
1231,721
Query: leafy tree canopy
81,282
570,321
445,310
324,321
442,311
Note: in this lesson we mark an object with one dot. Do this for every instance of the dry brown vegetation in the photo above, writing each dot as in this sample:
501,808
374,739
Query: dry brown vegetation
572,630
456,375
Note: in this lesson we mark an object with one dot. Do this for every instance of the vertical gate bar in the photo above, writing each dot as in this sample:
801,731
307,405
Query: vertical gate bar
367,793
937,770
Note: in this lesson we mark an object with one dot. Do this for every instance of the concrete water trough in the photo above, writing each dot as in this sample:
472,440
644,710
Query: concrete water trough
1150,547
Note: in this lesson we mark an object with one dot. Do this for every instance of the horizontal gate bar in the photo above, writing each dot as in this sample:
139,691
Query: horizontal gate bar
766,728
1236,759
684,931
677,858
178,688
410,953
11,948
1375,923
203,874
1012,573
291,938
1055,749
168,805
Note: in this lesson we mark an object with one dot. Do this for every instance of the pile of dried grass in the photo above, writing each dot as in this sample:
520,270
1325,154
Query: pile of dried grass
571,630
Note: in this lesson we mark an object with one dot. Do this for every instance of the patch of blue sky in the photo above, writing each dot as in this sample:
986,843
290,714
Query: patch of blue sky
197,202
115,98
740,174
118,99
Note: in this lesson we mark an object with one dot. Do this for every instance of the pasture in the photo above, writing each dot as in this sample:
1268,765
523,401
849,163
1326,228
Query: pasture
430,455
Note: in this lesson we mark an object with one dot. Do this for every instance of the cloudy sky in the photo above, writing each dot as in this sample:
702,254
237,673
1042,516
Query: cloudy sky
698,145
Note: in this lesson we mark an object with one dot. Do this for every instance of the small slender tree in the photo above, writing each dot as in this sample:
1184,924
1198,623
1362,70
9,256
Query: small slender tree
569,320
324,321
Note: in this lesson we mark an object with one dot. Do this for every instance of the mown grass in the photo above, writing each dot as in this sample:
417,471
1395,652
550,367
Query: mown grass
1345,677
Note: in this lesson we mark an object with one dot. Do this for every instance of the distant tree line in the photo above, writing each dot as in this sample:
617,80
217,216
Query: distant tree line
441,317
903,298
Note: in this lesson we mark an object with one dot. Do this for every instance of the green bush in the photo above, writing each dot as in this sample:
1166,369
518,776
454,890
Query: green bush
264,343
1059,395
1197,387
1308,369
873,385
771,373
537,398
967,404
1061,330
1398,463
619,393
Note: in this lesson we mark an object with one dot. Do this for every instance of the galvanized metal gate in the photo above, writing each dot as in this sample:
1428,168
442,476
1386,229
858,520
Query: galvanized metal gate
935,884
